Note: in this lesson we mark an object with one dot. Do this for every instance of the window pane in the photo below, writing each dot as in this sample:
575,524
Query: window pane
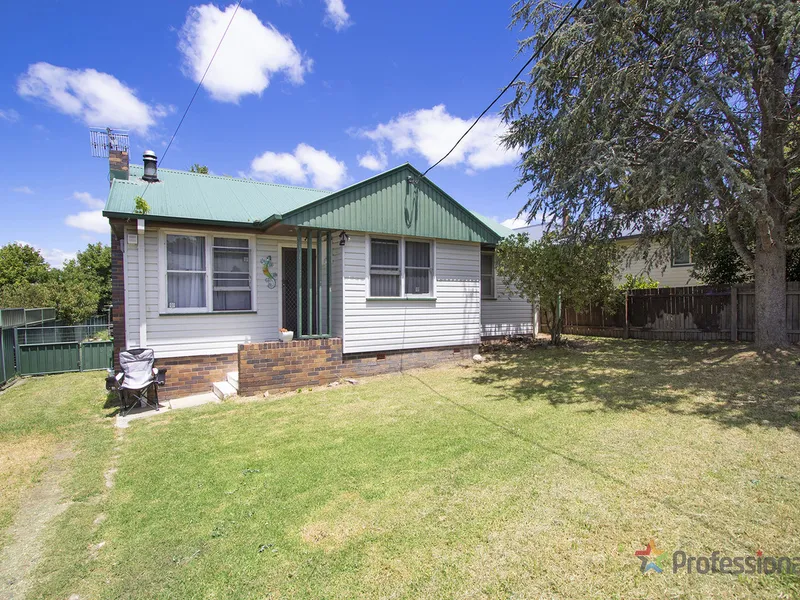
487,286
186,253
231,242
384,285
487,264
227,300
232,270
385,253
231,265
418,254
186,290
417,281
681,254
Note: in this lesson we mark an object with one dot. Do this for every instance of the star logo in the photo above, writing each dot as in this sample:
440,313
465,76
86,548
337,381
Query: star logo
652,558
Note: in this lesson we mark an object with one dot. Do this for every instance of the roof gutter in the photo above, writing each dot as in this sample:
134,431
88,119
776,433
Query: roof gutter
117,215
268,222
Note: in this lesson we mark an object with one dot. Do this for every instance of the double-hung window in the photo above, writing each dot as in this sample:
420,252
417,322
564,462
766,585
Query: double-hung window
399,268
186,272
418,267
205,273
232,284
487,275
384,270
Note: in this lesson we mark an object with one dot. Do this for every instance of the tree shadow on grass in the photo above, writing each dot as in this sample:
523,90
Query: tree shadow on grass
730,383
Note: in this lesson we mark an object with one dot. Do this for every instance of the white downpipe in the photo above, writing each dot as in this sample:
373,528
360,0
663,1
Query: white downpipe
142,290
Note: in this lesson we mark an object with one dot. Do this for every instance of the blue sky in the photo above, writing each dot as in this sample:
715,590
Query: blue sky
314,92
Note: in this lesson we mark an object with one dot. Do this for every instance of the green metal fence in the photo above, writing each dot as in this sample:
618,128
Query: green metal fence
10,319
6,355
62,349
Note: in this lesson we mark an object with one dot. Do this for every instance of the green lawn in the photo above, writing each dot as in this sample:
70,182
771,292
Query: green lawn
536,474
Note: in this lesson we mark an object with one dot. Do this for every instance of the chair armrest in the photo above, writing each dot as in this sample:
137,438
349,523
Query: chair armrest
119,377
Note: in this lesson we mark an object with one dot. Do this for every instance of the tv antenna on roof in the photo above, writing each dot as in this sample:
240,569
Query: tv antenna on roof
103,139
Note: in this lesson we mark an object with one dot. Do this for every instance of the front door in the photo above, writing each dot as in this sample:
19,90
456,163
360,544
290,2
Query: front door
289,259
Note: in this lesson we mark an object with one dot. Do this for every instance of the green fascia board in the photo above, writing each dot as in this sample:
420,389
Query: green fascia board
182,196
387,203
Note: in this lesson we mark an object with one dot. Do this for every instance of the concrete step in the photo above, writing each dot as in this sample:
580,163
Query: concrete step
233,379
223,390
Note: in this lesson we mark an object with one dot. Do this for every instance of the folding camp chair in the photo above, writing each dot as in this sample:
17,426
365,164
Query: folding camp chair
138,377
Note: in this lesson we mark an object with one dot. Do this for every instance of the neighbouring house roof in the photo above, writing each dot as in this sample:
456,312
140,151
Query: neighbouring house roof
399,201
498,228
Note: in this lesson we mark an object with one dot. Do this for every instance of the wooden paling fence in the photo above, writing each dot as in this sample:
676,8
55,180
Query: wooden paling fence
681,313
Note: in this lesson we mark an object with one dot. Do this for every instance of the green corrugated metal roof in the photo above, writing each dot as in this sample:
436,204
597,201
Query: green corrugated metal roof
186,196
385,203
388,203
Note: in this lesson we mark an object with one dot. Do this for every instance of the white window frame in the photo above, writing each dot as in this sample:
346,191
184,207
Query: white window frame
163,307
431,295
493,295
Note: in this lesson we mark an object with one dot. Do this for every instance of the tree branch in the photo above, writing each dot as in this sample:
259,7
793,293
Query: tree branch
737,239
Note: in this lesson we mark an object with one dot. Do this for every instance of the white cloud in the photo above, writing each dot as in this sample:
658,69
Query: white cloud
97,99
23,189
88,220
89,200
304,164
374,161
250,55
9,114
55,257
515,223
336,15
432,132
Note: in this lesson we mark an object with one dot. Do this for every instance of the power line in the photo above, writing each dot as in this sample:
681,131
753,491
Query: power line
510,83
197,89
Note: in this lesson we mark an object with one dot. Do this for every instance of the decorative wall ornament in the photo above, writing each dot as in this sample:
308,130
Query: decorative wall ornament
266,265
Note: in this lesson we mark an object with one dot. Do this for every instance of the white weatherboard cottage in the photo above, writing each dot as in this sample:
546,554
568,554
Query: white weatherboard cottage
391,264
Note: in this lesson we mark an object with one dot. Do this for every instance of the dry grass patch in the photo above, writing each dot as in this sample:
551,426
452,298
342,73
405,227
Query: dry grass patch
21,461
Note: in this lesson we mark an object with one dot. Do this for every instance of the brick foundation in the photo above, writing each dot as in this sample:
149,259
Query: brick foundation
278,366
275,366
364,364
187,375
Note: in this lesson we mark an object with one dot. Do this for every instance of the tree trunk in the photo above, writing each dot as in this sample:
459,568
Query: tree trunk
769,273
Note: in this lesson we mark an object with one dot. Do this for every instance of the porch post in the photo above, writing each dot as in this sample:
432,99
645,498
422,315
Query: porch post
319,281
329,256
299,267
310,286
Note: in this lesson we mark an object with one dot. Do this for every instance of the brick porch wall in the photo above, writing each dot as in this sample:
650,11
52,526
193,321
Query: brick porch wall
117,297
187,375
278,366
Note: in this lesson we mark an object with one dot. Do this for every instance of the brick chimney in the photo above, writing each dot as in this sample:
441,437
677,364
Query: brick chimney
118,164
